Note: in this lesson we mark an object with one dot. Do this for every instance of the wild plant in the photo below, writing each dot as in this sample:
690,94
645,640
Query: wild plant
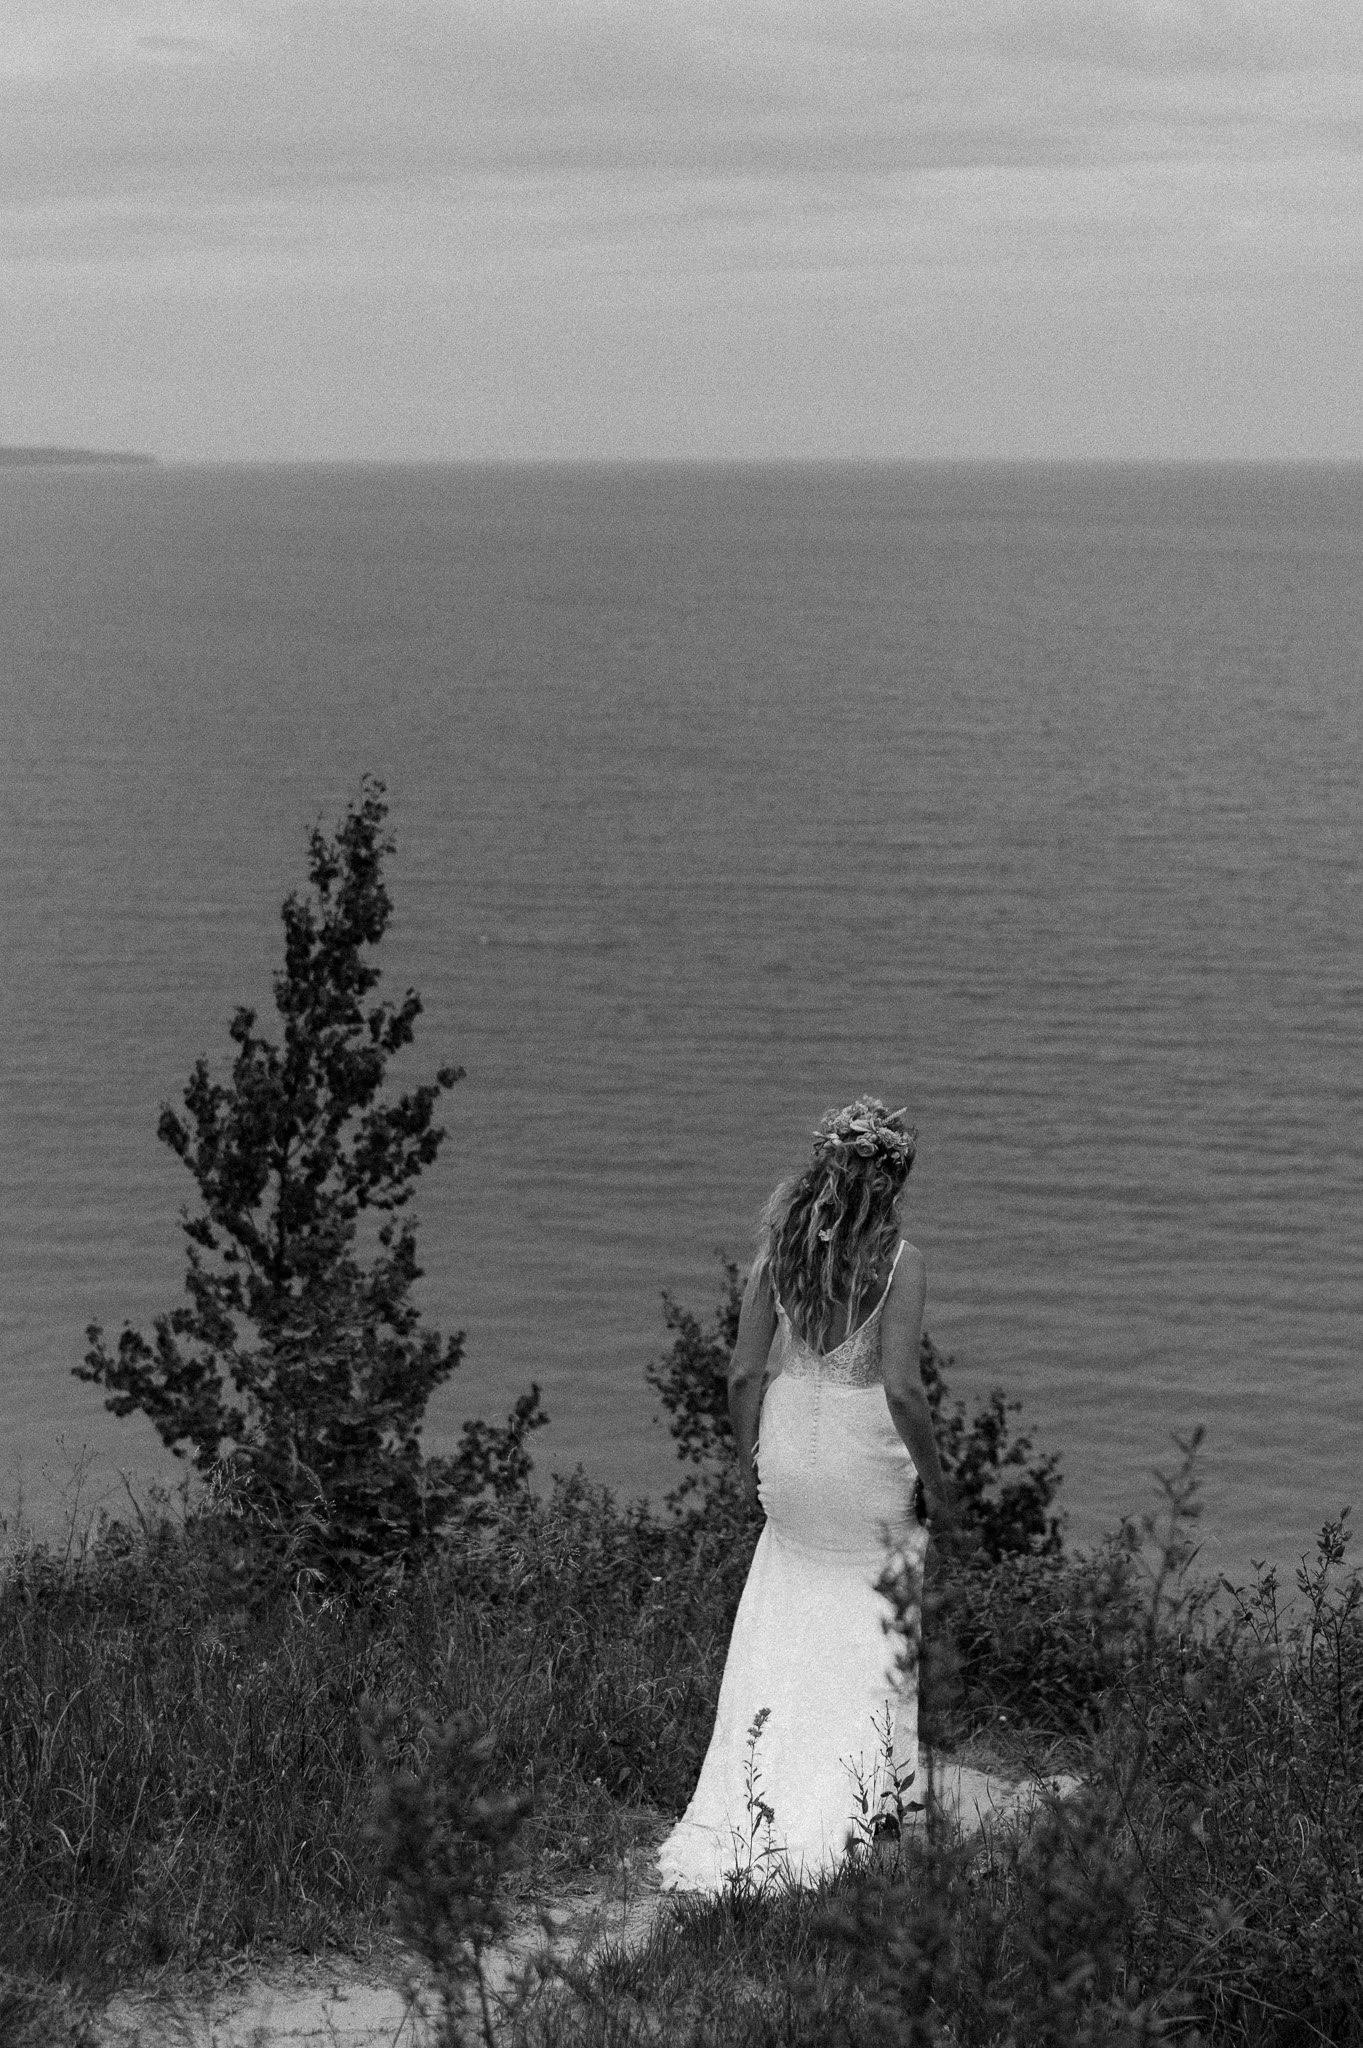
445,1840
883,1803
757,1857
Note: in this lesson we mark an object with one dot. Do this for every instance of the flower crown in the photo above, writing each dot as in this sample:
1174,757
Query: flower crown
866,1127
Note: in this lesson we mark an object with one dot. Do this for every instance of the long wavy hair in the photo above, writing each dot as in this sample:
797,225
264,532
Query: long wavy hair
826,1232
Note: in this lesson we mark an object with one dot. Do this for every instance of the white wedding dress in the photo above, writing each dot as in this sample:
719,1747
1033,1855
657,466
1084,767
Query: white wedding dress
809,1657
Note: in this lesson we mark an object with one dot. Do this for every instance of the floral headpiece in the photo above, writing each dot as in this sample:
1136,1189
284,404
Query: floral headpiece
866,1127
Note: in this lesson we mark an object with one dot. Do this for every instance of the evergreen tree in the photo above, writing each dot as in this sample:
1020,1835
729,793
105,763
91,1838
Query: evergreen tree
298,1372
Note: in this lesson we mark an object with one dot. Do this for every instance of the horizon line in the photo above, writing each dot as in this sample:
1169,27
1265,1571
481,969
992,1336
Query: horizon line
56,455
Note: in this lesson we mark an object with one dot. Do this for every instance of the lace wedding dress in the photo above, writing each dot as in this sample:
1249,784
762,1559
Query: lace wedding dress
809,1665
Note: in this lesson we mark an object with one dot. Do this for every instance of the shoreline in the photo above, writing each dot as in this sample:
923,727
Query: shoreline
75,458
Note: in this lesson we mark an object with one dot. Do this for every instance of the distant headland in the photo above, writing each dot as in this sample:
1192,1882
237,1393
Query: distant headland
69,458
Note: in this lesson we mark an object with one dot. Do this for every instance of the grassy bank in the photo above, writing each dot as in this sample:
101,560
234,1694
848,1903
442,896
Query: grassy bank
189,1766
186,1761
193,1728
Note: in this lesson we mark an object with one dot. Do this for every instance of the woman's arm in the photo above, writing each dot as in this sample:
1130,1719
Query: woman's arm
756,1328
901,1332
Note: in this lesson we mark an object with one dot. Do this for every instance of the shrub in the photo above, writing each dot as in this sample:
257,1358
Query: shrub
1034,1641
1004,1492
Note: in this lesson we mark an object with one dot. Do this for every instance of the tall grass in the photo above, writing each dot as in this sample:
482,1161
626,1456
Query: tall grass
189,1766
183,1761
180,1772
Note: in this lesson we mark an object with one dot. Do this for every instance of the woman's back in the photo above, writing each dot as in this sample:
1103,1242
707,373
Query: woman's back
832,1469
853,1356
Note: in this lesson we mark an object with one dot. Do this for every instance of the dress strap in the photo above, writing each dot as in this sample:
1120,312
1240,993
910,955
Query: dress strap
780,1305
771,1282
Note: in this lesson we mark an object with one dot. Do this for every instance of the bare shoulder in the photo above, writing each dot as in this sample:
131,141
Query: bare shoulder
912,1262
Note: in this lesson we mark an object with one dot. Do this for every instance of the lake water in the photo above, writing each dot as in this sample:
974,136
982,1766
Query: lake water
1027,797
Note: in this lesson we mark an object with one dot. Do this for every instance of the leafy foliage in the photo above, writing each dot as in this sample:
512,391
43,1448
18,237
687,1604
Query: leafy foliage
1004,1491
691,1382
298,1373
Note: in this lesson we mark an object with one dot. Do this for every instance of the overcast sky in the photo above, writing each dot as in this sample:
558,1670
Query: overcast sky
429,229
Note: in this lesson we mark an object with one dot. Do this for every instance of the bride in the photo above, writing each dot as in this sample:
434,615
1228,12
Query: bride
813,1731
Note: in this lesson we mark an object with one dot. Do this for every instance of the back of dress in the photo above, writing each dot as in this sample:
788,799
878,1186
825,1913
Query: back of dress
833,1471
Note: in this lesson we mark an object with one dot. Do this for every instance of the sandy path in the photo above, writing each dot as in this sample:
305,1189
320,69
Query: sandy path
336,2002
